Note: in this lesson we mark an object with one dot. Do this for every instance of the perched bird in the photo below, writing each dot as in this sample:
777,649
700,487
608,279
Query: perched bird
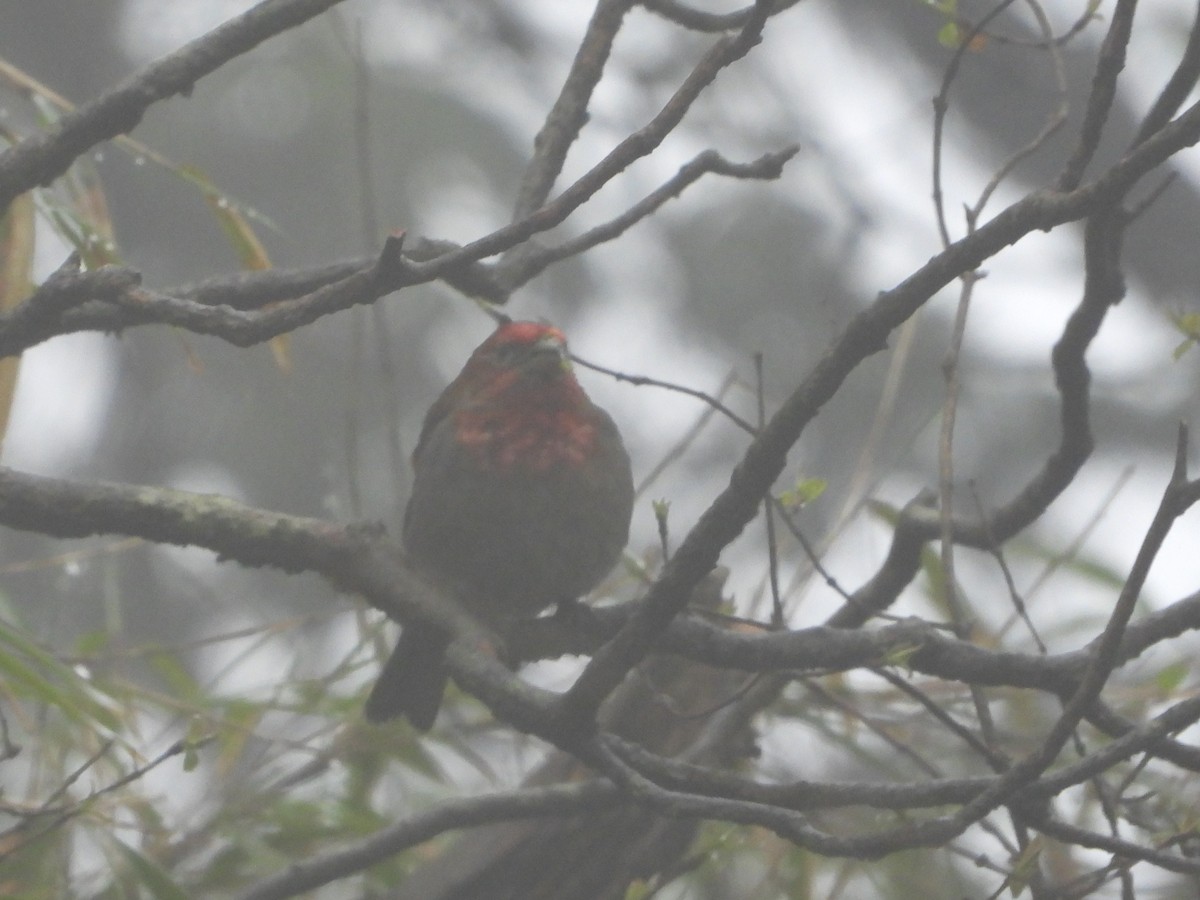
522,495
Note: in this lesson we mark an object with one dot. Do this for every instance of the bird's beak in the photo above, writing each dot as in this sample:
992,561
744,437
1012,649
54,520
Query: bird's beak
549,355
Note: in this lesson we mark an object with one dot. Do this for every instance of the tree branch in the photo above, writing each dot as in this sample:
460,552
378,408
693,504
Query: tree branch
525,803
866,334
40,159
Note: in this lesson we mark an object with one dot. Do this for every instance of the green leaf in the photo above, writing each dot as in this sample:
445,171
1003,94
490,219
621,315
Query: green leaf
885,512
224,872
1024,867
935,574
179,681
240,720
1092,568
900,656
1171,678
1187,323
16,265
198,734
152,876
949,35
92,644
804,491
31,671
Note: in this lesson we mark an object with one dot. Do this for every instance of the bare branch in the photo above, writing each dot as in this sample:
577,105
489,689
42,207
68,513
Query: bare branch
865,335
698,20
243,309
40,159
1175,92
569,113
723,53
520,269
644,380
1104,89
39,316
533,802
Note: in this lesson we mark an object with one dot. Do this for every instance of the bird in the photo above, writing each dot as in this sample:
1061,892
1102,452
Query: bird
522,497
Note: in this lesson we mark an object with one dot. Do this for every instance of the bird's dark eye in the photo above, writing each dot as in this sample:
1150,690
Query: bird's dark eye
507,354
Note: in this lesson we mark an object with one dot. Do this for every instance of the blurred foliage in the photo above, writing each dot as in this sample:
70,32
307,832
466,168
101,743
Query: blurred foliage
175,728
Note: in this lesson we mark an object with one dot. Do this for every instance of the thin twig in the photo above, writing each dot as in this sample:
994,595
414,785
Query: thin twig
1053,122
518,269
689,437
1104,91
569,113
699,20
941,104
1013,594
40,159
645,381
777,615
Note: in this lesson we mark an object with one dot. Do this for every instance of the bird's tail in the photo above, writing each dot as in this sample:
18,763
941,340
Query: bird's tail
413,679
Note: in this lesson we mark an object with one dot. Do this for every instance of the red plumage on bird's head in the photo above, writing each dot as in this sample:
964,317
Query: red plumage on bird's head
526,362
516,401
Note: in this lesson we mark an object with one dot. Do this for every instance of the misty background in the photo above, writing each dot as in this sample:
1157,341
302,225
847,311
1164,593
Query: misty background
450,94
